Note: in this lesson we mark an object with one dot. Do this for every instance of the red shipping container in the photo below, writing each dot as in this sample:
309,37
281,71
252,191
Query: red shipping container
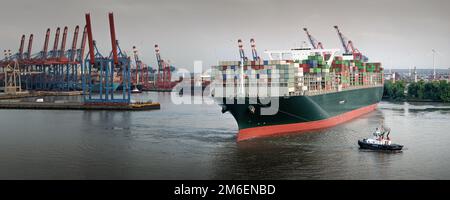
306,69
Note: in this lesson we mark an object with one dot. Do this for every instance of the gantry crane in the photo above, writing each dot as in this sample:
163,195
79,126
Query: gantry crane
142,72
164,75
106,69
241,51
348,46
54,69
314,43
254,53
137,69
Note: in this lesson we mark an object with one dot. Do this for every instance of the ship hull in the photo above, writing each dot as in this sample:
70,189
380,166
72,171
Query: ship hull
301,113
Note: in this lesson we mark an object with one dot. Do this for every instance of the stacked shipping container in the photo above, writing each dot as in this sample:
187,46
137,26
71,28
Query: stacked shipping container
305,77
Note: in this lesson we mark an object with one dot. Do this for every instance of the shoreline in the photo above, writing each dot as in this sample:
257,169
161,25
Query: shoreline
412,100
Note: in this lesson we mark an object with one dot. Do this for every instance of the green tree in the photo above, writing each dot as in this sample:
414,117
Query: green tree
388,91
399,90
394,91
421,89
413,89
444,91
435,90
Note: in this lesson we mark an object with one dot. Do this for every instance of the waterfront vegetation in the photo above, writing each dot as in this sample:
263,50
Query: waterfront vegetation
437,91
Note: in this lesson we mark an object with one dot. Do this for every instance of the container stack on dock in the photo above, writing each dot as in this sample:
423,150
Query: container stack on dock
62,71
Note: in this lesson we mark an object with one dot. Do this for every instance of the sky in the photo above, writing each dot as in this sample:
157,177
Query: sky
400,33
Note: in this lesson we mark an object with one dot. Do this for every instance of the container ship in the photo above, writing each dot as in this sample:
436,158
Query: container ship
296,90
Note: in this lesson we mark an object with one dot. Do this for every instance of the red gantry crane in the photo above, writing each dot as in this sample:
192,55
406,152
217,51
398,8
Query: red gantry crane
142,72
54,69
163,81
348,47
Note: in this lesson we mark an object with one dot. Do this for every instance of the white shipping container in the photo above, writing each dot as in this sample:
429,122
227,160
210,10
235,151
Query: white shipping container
347,57
283,91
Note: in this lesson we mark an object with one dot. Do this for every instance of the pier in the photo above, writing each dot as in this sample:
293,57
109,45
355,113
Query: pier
80,106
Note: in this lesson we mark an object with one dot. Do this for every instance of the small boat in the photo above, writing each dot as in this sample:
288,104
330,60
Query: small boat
136,90
379,144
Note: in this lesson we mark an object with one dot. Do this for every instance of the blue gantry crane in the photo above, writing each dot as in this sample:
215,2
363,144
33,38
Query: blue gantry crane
101,75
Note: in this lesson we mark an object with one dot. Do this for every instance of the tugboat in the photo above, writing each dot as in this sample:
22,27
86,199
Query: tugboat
378,142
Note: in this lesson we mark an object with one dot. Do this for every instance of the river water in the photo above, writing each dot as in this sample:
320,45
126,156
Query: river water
199,142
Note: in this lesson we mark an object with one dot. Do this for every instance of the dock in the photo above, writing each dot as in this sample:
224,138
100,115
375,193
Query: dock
80,106
19,95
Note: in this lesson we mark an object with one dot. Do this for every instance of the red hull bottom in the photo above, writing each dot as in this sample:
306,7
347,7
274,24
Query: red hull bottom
264,131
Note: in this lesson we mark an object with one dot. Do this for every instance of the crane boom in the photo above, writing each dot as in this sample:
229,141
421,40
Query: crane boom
63,42
90,39
311,39
314,43
22,43
158,57
254,53
83,45
112,30
135,53
343,40
138,63
74,44
47,38
241,50
30,45
55,44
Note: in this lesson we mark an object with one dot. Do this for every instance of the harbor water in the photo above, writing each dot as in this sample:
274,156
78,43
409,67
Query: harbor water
199,142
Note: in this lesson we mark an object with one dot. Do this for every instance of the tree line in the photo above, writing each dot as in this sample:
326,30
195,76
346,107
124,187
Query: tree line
420,91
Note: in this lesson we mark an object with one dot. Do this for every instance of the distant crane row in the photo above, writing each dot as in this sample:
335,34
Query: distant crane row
56,68
347,45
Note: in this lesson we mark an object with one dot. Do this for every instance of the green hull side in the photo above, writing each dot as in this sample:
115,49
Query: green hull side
298,109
